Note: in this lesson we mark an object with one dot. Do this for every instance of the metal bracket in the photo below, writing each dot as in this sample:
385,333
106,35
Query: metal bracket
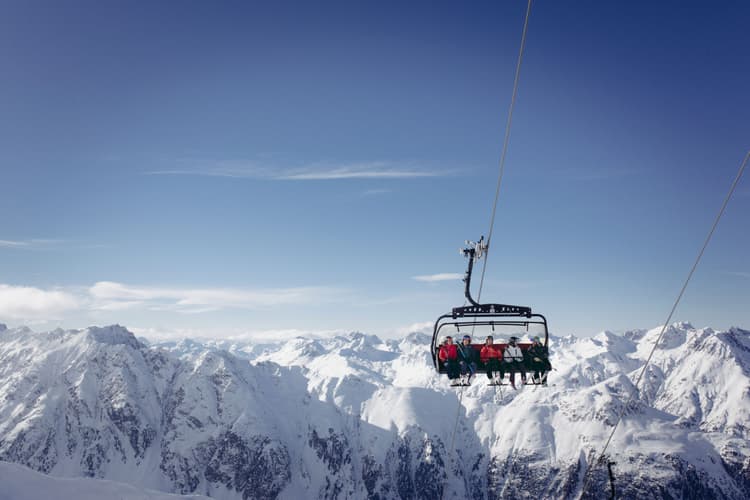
491,309
475,249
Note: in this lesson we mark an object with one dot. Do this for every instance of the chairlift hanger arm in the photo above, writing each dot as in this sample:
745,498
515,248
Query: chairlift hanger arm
476,251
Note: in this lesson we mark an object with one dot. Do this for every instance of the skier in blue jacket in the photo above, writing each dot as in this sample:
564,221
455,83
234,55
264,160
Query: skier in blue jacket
467,359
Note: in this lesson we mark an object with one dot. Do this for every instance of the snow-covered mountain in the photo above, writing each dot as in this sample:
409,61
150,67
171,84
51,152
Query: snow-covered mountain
356,417
21,483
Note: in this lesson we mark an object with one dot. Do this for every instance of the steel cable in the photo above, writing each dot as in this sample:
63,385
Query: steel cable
666,323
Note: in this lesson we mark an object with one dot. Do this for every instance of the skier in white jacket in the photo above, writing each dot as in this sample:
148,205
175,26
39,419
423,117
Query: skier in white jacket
513,362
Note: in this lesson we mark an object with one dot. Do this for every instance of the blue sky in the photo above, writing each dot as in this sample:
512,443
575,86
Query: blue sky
220,168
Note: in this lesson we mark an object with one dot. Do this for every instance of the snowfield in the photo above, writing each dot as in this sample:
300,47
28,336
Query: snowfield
357,417
21,483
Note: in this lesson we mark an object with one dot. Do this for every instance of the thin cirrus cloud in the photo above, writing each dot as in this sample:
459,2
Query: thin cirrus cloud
314,172
357,171
376,192
13,244
25,302
431,278
110,296
741,274
28,244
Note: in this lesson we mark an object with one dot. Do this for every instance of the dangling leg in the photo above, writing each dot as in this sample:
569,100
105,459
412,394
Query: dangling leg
493,371
464,372
452,369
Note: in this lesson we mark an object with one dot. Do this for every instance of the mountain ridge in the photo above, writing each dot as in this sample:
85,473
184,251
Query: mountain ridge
358,417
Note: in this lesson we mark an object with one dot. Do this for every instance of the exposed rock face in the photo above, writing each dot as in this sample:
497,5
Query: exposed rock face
353,417
256,467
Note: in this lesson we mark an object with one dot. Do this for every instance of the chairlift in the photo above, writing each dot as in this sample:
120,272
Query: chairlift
495,319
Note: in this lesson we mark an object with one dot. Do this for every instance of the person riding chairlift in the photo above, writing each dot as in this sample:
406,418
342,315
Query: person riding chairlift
467,360
490,355
538,361
448,354
513,362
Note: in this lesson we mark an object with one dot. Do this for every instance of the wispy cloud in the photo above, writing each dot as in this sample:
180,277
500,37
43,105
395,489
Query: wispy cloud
31,303
29,244
376,192
23,302
13,244
239,172
438,277
313,172
741,274
421,327
375,170
48,244
108,296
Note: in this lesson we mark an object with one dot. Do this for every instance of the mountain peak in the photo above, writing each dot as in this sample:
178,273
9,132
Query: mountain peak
359,339
683,325
113,335
417,338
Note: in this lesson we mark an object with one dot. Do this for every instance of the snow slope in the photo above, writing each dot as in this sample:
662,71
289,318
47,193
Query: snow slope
356,417
21,483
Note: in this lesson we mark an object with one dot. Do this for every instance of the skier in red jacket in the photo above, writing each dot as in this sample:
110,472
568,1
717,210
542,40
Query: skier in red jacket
491,355
448,354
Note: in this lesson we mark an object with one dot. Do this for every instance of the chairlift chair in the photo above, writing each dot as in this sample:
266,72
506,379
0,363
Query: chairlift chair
500,320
